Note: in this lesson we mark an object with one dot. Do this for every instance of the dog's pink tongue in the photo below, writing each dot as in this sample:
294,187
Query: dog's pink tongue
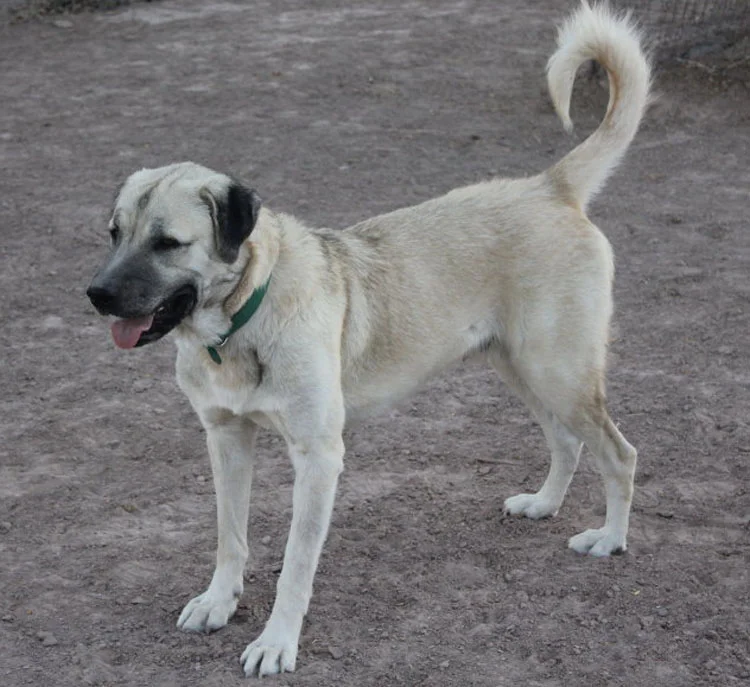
127,332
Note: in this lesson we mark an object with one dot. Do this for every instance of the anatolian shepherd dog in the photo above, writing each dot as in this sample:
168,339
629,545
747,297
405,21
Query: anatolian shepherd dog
296,329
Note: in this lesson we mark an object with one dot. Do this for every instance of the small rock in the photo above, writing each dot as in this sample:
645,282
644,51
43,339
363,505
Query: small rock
666,514
484,470
445,664
201,479
138,600
710,664
662,612
5,527
53,322
266,539
141,385
62,24
8,618
47,638
336,652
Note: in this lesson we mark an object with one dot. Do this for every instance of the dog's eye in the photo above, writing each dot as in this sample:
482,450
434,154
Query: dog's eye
114,233
167,243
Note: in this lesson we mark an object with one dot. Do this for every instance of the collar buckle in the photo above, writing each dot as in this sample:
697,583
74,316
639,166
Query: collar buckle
239,319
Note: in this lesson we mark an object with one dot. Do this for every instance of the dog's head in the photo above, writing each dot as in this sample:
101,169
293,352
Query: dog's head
176,234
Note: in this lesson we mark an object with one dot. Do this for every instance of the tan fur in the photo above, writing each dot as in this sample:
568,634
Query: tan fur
354,320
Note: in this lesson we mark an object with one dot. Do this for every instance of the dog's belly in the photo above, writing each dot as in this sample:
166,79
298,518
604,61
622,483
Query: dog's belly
372,384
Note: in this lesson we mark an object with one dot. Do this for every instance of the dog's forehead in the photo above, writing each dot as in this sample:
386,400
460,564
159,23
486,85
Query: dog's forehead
167,189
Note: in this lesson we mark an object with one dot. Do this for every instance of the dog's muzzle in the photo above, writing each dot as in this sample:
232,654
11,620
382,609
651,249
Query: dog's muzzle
133,329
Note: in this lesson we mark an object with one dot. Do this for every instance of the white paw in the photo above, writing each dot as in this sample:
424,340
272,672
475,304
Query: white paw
271,653
531,505
601,542
207,612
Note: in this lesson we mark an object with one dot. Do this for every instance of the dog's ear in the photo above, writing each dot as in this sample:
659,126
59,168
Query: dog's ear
234,216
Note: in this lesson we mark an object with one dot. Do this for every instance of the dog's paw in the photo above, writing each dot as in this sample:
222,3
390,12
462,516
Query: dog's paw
530,505
207,612
601,542
271,653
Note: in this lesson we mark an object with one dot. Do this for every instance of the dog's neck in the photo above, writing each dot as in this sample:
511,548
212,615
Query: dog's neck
262,248
256,261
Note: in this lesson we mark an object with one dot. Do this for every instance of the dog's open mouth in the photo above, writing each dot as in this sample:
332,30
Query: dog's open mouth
137,331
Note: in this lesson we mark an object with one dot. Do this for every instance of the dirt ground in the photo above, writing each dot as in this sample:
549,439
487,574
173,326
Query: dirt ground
335,112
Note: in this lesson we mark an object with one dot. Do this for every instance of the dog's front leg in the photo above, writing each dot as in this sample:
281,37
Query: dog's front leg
231,446
317,465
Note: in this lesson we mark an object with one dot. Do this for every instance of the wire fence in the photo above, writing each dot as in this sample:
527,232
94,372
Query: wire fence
692,27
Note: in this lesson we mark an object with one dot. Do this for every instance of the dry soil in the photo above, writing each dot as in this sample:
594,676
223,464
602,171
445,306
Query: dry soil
336,111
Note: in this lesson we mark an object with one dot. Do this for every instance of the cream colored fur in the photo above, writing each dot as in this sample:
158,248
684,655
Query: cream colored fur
354,320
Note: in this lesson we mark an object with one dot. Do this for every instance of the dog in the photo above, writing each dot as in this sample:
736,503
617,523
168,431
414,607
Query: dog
301,330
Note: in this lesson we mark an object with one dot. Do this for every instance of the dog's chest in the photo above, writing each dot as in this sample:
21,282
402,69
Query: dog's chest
236,384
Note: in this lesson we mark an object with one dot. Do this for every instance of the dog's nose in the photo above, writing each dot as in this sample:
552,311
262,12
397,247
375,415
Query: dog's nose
102,298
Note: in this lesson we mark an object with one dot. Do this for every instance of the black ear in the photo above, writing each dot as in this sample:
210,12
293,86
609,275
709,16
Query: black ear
233,216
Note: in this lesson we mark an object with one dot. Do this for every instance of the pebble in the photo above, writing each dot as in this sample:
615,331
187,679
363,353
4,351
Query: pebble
53,322
47,638
201,479
662,612
63,24
138,600
484,470
8,619
336,652
266,539
445,664
5,527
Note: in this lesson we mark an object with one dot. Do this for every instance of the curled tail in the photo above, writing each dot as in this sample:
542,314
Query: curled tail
596,33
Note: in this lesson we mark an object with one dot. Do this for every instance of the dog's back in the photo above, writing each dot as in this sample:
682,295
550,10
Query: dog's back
479,259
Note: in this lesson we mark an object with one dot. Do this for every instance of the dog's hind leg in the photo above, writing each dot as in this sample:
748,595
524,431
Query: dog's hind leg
563,445
616,460
572,394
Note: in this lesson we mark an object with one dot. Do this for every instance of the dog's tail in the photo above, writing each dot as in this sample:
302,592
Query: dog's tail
596,33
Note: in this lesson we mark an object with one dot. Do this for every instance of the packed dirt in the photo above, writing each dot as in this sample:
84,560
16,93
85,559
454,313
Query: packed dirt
336,112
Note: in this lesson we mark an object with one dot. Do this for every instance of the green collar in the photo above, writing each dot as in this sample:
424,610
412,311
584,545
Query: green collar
239,319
